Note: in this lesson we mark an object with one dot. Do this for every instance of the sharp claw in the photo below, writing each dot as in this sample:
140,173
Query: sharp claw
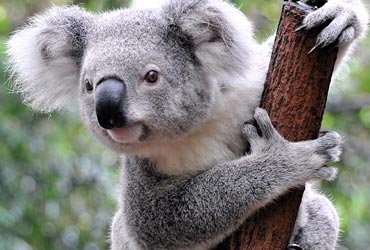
300,28
294,247
314,48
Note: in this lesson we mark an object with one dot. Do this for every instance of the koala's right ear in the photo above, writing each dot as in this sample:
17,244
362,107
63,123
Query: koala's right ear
45,57
218,33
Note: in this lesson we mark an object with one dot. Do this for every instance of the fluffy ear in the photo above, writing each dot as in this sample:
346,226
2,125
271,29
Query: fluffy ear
45,57
221,35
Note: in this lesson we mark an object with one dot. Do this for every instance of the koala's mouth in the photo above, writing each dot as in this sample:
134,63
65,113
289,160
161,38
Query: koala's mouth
127,134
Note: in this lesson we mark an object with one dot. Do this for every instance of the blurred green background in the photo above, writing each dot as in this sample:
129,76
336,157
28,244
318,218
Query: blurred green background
58,185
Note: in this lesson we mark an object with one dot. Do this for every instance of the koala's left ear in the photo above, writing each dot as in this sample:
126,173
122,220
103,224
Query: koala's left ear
220,34
45,57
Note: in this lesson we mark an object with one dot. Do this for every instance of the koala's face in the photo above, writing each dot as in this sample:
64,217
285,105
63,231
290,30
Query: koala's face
142,76
139,82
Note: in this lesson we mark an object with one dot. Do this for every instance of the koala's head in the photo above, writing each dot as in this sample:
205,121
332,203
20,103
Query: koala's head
140,75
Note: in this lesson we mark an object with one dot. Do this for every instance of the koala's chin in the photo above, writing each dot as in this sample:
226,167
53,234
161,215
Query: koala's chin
129,134
121,140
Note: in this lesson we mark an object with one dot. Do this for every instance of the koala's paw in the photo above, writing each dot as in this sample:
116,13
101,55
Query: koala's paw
317,153
345,20
306,159
261,134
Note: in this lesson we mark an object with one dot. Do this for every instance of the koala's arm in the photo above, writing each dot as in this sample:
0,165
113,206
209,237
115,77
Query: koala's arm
202,210
348,23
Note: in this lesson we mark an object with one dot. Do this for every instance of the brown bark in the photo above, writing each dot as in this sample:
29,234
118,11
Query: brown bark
295,96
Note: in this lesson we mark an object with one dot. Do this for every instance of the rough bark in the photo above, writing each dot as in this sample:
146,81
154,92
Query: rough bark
295,96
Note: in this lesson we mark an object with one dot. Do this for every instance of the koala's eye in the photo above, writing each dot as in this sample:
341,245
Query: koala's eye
152,76
89,87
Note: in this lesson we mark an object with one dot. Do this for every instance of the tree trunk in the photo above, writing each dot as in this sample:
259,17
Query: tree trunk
295,95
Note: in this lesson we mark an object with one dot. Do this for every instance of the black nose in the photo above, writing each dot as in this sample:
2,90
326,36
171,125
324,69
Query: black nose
109,103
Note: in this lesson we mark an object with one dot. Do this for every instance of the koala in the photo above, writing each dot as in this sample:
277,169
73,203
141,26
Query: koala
170,88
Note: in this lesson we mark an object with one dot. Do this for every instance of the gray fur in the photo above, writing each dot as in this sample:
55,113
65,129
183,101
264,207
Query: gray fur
185,181
45,57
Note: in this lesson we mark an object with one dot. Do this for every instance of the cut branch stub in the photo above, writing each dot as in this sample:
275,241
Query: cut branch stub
295,96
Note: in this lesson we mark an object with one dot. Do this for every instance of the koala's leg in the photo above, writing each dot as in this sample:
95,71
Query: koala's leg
317,225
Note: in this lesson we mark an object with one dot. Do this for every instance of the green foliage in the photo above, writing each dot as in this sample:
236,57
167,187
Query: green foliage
58,185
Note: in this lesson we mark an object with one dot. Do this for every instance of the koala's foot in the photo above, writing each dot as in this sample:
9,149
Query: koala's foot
344,21
317,224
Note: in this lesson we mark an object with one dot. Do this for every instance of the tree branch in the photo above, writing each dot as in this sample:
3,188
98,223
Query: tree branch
295,96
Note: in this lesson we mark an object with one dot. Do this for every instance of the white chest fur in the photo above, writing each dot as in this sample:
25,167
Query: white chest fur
217,141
